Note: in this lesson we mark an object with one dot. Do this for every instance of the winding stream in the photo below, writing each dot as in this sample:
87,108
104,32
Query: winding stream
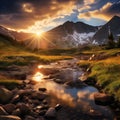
78,102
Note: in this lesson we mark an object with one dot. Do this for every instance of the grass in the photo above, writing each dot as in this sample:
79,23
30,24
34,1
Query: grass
106,72
9,83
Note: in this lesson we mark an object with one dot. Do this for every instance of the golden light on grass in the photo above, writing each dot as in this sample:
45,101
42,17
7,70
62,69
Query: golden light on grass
38,77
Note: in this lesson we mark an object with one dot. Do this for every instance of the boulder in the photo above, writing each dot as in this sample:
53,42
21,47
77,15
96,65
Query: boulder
38,95
9,117
77,84
59,81
29,118
16,112
9,108
15,99
24,109
103,99
2,111
51,113
42,89
5,95
42,112
58,107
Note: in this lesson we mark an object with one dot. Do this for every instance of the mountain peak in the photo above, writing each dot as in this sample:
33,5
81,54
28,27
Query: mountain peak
68,22
115,17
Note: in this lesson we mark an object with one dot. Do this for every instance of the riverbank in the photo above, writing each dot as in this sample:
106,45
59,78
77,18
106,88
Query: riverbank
103,73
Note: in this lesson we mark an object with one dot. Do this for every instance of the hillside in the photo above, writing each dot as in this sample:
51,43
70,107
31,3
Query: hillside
102,34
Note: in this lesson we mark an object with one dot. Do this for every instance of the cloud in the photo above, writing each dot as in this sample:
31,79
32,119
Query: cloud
23,14
105,12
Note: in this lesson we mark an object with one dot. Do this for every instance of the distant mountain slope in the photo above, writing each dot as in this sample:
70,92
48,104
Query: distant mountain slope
71,34
102,34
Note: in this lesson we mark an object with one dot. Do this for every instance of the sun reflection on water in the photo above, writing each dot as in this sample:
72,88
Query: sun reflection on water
40,66
38,77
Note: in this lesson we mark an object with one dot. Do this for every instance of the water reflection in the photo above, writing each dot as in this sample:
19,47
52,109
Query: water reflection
37,77
40,66
79,98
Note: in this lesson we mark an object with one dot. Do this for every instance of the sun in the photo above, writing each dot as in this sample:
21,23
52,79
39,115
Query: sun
38,34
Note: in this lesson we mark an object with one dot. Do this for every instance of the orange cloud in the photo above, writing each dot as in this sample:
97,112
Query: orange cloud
86,2
101,13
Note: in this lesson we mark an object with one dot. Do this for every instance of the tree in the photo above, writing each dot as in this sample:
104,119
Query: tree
111,43
118,43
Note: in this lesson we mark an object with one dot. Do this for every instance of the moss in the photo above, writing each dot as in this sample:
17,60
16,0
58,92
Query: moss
107,76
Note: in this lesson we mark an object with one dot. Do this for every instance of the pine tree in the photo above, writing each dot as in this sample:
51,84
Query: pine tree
118,43
111,43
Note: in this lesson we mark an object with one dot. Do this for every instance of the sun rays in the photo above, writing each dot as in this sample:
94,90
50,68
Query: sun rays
39,40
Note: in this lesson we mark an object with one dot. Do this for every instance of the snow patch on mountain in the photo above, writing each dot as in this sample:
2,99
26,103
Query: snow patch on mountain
79,38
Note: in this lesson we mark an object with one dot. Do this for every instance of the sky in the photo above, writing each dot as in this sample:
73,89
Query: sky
43,15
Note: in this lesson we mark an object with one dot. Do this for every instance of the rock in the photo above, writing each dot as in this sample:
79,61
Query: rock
35,102
26,81
45,102
25,92
9,108
42,89
40,118
58,107
42,112
103,99
15,99
38,95
5,95
59,81
20,76
51,113
77,84
2,111
29,118
9,117
16,112
24,109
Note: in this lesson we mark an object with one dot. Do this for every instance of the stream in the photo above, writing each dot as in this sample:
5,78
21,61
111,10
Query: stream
77,101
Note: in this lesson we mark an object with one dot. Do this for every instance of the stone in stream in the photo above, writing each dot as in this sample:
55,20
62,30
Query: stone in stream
77,84
59,81
5,95
9,108
103,99
42,89
58,107
38,95
51,113
2,111
9,117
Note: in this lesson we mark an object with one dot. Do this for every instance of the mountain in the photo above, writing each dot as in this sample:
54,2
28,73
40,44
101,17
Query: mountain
64,36
70,35
5,32
102,34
